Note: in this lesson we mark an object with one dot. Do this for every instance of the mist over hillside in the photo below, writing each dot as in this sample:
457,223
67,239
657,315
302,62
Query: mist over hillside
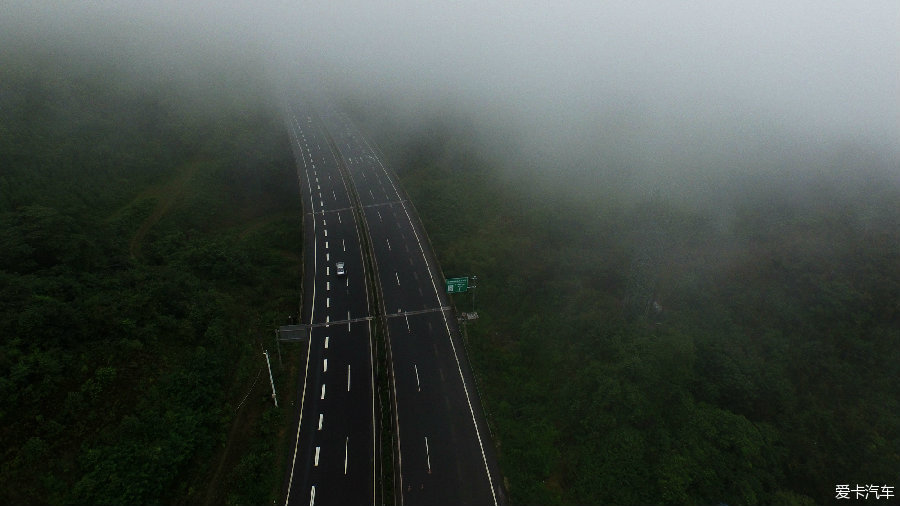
689,212
638,93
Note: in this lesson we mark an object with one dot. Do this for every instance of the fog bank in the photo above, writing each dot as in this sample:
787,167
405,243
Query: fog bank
659,91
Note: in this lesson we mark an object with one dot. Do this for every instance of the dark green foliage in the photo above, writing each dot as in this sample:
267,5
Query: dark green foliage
768,374
140,266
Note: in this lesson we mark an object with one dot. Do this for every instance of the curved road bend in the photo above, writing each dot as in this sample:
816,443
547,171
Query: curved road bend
446,456
334,459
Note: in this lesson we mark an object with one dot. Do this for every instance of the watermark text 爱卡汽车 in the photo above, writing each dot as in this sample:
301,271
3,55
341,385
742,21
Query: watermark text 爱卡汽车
864,492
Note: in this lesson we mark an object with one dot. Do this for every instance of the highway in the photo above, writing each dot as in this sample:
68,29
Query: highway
445,453
334,459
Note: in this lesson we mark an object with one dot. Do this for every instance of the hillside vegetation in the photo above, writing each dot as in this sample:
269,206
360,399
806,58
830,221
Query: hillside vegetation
643,351
149,238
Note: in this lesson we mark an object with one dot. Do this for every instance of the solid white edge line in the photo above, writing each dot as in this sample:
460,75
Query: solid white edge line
449,336
465,388
297,441
427,455
308,347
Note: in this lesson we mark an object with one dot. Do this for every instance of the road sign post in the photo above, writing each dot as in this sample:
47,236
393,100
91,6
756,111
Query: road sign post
457,285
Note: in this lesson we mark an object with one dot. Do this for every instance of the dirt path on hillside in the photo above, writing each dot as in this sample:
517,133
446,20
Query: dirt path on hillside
244,421
167,197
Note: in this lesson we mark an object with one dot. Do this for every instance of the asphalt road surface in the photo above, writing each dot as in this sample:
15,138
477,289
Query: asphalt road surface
446,456
334,460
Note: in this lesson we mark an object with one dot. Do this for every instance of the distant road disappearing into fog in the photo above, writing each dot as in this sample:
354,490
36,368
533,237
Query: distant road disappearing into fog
443,452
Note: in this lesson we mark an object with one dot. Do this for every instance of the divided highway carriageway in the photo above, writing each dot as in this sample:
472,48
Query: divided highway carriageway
356,213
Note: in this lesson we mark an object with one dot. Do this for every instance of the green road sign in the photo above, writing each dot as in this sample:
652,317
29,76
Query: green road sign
457,285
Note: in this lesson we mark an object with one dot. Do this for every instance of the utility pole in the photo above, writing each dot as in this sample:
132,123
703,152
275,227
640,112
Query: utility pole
271,381
474,279
278,347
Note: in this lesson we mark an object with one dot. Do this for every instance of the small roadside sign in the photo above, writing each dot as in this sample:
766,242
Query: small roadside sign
457,285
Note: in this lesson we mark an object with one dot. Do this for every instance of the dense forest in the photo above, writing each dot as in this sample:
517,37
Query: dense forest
149,239
652,350
640,350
